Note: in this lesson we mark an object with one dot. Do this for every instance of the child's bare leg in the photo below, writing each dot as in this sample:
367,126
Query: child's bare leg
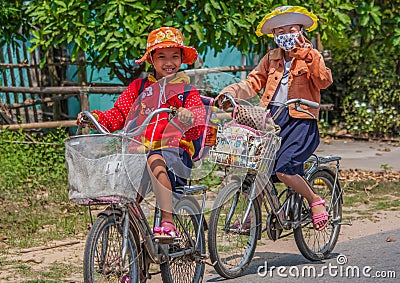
297,183
161,185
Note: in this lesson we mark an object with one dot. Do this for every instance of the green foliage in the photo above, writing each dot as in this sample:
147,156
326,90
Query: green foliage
114,33
366,70
11,21
364,37
25,163
372,103
33,189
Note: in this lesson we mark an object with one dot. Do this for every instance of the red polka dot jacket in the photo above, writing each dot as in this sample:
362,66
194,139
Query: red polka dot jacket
160,133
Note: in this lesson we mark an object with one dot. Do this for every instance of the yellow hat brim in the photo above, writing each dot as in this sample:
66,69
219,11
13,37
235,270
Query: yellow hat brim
287,15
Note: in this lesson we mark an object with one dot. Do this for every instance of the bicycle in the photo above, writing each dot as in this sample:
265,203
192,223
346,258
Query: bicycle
235,223
120,245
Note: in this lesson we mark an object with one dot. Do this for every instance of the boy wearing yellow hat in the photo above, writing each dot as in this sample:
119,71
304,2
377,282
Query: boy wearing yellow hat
294,70
169,152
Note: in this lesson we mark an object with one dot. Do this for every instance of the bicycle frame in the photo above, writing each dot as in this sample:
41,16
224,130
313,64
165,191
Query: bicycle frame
270,199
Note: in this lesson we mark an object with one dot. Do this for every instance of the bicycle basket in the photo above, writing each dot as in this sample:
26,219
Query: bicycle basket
243,147
255,117
102,170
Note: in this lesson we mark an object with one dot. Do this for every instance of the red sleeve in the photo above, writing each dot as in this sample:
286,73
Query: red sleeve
195,105
114,118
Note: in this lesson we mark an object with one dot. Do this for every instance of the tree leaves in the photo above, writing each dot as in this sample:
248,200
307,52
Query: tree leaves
116,31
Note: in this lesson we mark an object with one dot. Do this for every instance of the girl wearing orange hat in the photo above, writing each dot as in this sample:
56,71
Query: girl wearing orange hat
294,70
166,52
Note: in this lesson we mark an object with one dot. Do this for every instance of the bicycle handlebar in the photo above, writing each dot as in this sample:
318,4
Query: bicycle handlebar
296,101
129,128
306,102
87,116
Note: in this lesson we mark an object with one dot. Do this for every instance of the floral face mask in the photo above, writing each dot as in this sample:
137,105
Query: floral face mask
286,41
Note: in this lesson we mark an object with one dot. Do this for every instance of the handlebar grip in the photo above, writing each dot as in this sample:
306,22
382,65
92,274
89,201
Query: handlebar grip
309,103
94,122
230,98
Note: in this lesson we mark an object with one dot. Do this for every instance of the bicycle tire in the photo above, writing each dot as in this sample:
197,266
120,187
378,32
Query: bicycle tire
232,250
317,245
102,259
189,267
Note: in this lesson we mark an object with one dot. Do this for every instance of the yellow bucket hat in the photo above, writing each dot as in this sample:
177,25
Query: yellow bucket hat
287,15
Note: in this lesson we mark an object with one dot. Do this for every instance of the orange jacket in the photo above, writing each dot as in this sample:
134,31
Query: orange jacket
307,75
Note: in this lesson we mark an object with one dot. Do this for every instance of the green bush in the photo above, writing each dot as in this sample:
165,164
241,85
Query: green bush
372,104
34,190
368,92
31,163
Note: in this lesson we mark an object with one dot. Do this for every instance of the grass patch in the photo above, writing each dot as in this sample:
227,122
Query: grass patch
367,197
392,205
34,191
53,273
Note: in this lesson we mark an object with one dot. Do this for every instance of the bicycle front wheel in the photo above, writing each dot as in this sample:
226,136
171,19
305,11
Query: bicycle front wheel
231,240
317,245
103,260
187,264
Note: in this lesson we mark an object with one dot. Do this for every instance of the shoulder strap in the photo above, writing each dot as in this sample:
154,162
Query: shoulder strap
142,85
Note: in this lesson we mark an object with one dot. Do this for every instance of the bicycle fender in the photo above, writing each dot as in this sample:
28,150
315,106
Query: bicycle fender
320,168
329,171
109,211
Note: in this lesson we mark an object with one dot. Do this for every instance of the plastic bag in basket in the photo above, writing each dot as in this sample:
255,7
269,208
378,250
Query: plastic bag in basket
255,117
239,146
100,171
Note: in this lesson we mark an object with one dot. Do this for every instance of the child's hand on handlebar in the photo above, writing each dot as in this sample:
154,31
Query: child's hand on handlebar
82,120
185,116
222,101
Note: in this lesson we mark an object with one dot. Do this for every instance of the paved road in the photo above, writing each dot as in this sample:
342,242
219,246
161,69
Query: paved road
358,260
362,155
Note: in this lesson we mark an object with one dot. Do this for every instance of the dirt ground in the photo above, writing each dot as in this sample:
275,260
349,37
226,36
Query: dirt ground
71,251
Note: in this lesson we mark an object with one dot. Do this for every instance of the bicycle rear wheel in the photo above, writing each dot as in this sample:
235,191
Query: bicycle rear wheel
102,259
189,267
316,245
232,245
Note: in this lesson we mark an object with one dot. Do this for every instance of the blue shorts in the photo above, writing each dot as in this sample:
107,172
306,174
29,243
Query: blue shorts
179,165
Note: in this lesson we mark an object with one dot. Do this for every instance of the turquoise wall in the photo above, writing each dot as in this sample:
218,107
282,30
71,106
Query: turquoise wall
96,101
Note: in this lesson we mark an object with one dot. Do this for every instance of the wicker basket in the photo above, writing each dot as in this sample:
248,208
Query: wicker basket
103,169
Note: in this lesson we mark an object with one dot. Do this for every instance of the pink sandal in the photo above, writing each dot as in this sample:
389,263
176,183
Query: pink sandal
320,217
167,231
246,225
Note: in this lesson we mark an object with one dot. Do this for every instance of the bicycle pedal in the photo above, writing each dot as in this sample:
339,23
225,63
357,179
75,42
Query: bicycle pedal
349,223
211,263
175,242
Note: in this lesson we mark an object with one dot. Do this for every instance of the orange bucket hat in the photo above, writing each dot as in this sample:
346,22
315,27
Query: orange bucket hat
167,37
